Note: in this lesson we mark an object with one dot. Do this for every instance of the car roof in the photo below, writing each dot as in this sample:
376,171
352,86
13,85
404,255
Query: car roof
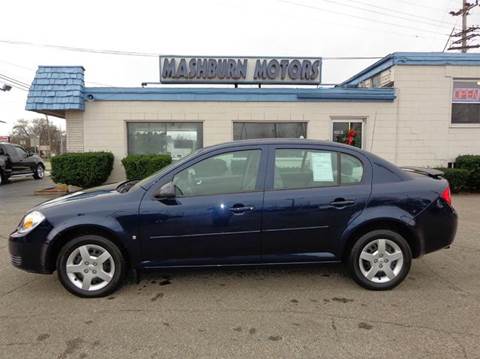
283,141
9,144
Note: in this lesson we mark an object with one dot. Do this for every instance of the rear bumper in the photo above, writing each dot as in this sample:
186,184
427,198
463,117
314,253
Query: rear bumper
436,227
28,252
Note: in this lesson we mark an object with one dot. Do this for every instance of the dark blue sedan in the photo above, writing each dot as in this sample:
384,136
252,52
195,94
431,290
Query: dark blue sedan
244,203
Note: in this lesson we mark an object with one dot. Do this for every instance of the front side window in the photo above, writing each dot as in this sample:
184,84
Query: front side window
232,172
466,101
20,152
301,168
252,130
176,138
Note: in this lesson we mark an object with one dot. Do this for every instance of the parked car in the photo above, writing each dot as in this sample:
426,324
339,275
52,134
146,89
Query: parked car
15,160
243,203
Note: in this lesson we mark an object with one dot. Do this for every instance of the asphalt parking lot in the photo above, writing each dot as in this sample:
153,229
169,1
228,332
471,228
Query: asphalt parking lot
289,312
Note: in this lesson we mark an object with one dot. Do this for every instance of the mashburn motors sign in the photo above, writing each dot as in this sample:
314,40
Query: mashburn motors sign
240,70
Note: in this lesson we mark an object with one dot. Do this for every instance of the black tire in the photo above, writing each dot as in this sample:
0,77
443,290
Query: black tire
3,178
39,172
114,251
369,239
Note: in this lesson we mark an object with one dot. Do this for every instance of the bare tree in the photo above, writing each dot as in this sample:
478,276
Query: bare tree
32,133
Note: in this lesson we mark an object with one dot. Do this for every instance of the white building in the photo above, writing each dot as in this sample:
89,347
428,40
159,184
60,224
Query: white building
419,109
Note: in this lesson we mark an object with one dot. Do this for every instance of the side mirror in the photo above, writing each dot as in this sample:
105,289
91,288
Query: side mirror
167,191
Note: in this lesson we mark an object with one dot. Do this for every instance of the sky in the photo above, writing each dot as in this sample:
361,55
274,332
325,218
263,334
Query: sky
296,28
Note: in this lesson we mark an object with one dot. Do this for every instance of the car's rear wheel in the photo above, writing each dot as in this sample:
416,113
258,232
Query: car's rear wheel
3,178
380,260
39,172
90,266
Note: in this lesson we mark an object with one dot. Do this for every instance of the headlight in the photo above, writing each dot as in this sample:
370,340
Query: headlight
30,221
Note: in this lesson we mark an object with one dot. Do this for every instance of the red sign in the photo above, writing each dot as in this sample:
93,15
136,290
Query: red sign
465,94
4,138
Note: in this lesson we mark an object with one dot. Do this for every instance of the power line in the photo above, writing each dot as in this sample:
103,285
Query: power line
360,17
17,87
419,4
410,17
32,69
81,49
8,78
13,83
144,54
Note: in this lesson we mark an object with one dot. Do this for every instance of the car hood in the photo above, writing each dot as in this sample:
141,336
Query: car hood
96,192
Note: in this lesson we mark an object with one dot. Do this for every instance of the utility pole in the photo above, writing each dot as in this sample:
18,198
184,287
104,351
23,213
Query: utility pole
467,33
464,26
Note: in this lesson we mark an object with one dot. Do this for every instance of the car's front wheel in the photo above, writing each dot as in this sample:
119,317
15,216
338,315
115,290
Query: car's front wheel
380,260
90,266
39,172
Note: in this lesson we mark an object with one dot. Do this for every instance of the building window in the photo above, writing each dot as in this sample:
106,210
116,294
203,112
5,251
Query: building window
177,138
251,130
348,132
466,101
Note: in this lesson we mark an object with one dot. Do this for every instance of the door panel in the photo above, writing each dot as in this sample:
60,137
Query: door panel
215,217
202,230
307,209
307,223
23,164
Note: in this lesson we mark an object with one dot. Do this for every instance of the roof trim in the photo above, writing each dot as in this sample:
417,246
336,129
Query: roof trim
237,94
413,59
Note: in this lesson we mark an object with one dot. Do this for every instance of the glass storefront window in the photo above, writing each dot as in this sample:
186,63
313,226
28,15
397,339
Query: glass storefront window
252,130
177,138
347,132
466,101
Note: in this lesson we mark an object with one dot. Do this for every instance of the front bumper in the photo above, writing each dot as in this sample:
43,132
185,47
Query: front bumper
29,251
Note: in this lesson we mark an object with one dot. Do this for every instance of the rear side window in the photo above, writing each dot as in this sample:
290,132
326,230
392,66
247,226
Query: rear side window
296,168
351,169
300,168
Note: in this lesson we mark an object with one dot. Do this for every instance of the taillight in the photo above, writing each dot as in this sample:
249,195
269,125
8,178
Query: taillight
447,195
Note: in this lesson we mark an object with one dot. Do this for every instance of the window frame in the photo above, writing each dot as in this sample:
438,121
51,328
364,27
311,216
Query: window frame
452,89
366,175
165,122
354,119
261,176
305,123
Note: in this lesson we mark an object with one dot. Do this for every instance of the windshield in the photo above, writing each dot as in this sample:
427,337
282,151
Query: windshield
144,183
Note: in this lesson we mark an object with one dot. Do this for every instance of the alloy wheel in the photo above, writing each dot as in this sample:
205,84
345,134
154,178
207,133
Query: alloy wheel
381,260
90,267
40,171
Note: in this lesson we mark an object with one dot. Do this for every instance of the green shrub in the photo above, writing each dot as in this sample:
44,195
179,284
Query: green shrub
472,164
87,169
457,178
141,166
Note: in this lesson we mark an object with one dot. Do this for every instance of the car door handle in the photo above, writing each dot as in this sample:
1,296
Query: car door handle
241,209
342,202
